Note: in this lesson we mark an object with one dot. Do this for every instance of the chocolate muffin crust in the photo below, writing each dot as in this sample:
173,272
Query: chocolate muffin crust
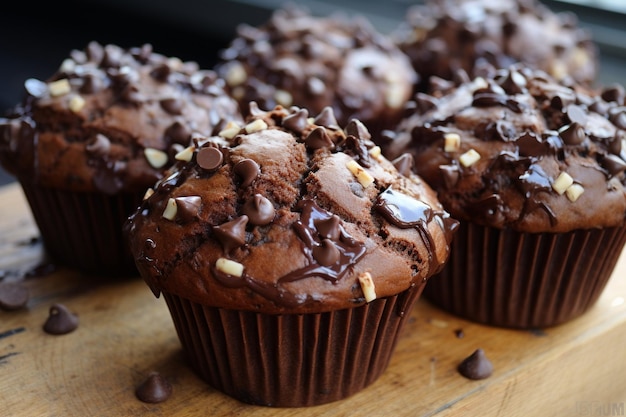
519,150
339,61
443,38
110,119
288,214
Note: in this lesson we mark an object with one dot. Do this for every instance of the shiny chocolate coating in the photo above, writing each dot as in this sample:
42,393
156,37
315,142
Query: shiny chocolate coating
287,226
86,127
296,58
550,156
448,39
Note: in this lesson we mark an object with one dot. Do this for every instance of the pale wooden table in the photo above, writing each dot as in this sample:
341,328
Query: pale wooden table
125,333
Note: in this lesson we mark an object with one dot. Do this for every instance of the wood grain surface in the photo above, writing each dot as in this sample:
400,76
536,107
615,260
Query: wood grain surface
576,369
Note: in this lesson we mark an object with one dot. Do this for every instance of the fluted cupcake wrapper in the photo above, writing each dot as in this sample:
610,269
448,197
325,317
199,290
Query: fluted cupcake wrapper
523,280
83,230
290,360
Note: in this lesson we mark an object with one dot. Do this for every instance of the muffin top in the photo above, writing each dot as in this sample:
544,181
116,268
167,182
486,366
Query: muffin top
299,59
110,119
520,150
478,36
288,214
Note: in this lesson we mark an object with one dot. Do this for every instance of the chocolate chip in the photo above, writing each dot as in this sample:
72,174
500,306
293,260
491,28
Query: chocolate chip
326,253
618,117
98,145
476,366
60,321
357,129
402,210
259,210
459,333
318,138
576,114
91,84
209,158
613,93
13,295
154,389
247,170
424,102
172,106
35,87
573,134
232,234
514,83
404,164
613,164
161,72
328,228
530,145
327,118
450,175
188,208
297,121
178,133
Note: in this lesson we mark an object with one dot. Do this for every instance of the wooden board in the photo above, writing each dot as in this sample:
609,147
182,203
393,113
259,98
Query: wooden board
576,369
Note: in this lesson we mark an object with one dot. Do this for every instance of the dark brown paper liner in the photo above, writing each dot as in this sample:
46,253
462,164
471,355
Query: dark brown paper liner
522,280
290,360
83,230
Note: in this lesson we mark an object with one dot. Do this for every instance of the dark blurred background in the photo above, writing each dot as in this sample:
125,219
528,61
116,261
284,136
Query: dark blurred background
36,36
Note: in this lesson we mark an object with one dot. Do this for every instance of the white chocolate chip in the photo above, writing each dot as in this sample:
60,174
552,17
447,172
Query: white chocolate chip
478,83
558,70
236,75
562,183
76,103
451,142
185,154
230,130
375,152
148,193
580,57
283,98
367,285
256,126
59,87
394,95
574,191
170,209
156,158
362,176
229,267
469,158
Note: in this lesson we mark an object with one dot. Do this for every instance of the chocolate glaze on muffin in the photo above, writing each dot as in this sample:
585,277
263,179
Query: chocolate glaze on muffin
296,58
111,119
521,151
478,36
288,214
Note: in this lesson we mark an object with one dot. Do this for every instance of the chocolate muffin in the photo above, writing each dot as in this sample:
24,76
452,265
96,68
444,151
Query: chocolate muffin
449,38
534,171
88,142
291,243
296,58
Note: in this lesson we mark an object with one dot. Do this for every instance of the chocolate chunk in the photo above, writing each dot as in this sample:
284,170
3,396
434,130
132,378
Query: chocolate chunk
232,234
209,158
529,144
318,138
13,295
154,389
425,102
259,210
297,121
326,253
248,170
476,366
613,164
60,321
450,175
188,208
